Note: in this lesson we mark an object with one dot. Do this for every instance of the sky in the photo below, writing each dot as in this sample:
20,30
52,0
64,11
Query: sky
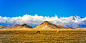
34,12
62,8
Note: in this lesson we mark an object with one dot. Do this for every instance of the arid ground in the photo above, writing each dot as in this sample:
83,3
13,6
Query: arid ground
45,36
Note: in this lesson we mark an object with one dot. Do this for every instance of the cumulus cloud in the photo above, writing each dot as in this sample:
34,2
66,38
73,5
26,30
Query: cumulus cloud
72,21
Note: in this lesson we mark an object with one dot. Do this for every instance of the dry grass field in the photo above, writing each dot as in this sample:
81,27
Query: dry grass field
45,36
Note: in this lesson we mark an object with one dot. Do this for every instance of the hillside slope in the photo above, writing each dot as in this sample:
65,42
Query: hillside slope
48,25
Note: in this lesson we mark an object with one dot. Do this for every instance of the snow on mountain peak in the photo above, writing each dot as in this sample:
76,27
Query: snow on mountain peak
74,17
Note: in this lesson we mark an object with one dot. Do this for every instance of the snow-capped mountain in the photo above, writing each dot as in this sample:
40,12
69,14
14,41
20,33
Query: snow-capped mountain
74,17
74,22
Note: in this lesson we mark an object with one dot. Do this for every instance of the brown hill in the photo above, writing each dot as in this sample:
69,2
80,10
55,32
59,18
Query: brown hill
23,26
48,25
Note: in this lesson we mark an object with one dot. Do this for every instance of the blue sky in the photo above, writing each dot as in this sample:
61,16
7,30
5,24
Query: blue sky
14,12
63,8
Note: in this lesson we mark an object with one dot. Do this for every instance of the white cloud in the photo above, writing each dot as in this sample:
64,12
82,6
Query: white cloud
72,21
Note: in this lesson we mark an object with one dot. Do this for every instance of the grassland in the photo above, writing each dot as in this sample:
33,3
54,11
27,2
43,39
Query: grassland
45,36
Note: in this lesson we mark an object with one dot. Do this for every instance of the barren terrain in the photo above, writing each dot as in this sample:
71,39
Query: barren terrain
45,35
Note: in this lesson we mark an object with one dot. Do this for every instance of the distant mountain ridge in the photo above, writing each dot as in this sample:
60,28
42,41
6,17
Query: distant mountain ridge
14,25
3,27
44,25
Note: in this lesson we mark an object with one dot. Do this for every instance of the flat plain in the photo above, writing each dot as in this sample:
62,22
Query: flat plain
45,36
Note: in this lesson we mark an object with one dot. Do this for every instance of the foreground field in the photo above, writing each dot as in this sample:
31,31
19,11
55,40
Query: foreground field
45,36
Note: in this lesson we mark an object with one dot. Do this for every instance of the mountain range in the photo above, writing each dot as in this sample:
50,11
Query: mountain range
14,25
69,22
44,25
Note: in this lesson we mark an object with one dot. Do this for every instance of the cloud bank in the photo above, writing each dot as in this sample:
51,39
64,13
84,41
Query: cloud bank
72,21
